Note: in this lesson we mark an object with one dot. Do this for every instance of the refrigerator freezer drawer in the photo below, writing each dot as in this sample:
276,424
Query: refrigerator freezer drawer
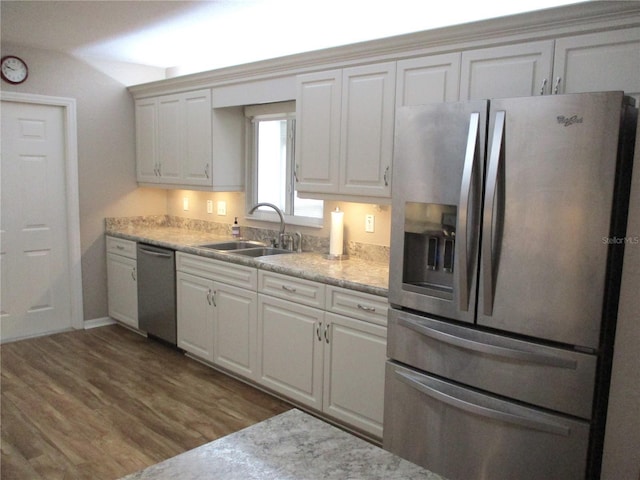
549,377
462,434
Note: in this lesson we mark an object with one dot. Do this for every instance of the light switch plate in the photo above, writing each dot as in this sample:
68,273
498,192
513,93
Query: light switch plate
222,207
209,206
369,223
185,203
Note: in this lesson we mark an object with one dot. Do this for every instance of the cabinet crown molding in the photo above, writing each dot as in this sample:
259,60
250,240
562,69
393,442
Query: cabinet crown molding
586,17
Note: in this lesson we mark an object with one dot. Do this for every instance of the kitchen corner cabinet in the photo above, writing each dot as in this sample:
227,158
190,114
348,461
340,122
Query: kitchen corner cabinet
217,312
324,347
122,284
344,132
431,79
175,136
507,71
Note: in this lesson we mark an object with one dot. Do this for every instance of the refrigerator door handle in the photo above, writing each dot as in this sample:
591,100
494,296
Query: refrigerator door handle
463,213
488,232
481,347
532,422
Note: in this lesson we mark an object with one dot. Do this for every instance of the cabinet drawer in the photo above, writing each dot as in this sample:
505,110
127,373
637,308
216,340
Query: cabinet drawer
120,246
229,273
363,306
295,289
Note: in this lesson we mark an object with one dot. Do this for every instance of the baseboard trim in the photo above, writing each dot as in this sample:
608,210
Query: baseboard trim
98,322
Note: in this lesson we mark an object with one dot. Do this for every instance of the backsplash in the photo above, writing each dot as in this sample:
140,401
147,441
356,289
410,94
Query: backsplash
310,243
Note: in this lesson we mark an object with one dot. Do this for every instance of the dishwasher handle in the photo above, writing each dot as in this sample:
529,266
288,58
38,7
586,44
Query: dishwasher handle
154,254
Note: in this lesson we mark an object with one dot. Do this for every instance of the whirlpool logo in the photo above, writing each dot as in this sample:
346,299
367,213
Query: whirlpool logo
567,121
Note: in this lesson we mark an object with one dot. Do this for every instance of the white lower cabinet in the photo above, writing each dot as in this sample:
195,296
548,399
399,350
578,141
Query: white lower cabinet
355,355
194,315
290,354
331,362
321,346
234,329
122,284
217,312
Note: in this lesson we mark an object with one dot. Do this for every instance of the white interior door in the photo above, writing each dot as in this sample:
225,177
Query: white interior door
35,278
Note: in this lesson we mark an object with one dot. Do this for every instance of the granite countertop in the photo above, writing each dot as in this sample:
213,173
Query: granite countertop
289,446
353,273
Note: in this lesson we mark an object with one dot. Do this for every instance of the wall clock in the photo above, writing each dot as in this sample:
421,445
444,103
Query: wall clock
13,69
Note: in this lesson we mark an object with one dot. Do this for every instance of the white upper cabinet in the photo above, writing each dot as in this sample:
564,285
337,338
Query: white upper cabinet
430,79
146,111
344,131
518,70
175,139
599,61
170,138
197,141
318,100
368,115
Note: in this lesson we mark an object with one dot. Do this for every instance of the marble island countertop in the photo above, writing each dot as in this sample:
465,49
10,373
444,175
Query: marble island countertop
289,446
353,273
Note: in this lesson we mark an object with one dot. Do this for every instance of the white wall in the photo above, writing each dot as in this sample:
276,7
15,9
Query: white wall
106,155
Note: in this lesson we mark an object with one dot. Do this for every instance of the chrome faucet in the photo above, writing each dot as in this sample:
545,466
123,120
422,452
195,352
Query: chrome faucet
281,236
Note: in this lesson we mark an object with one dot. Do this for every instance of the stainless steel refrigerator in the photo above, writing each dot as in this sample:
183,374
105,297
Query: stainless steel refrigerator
507,237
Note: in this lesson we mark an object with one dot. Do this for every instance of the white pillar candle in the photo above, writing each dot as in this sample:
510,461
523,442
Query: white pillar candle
337,230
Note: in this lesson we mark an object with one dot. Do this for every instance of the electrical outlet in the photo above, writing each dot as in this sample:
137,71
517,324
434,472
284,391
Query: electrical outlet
222,207
369,223
185,203
209,206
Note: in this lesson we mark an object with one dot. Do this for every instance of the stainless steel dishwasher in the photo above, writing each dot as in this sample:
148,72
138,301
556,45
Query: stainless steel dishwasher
157,292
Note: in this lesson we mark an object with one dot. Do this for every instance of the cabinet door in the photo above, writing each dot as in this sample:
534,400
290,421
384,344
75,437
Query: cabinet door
317,153
599,62
195,315
432,79
170,139
235,329
146,134
122,288
354,363
196,158
290,349
510,71
366,146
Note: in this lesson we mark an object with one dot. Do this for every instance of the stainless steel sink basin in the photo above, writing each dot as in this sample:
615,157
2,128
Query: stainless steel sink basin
233,245
260,251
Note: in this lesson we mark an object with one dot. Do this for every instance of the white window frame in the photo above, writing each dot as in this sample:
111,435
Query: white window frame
273,111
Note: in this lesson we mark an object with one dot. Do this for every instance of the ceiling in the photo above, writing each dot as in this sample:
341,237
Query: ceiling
207,34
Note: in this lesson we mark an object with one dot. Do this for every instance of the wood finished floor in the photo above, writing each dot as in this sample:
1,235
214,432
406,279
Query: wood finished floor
106,402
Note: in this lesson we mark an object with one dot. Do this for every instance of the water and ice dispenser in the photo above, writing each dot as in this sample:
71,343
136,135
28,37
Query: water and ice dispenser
429,246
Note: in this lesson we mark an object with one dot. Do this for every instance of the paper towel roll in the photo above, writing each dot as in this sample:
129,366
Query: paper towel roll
337,230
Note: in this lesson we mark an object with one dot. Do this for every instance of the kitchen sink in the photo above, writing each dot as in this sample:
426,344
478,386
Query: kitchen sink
260,251
233,245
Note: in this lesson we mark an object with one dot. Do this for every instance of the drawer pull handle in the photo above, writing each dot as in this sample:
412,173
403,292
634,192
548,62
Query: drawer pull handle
318,327
119,247
326,332
365,308
534,422
288,289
